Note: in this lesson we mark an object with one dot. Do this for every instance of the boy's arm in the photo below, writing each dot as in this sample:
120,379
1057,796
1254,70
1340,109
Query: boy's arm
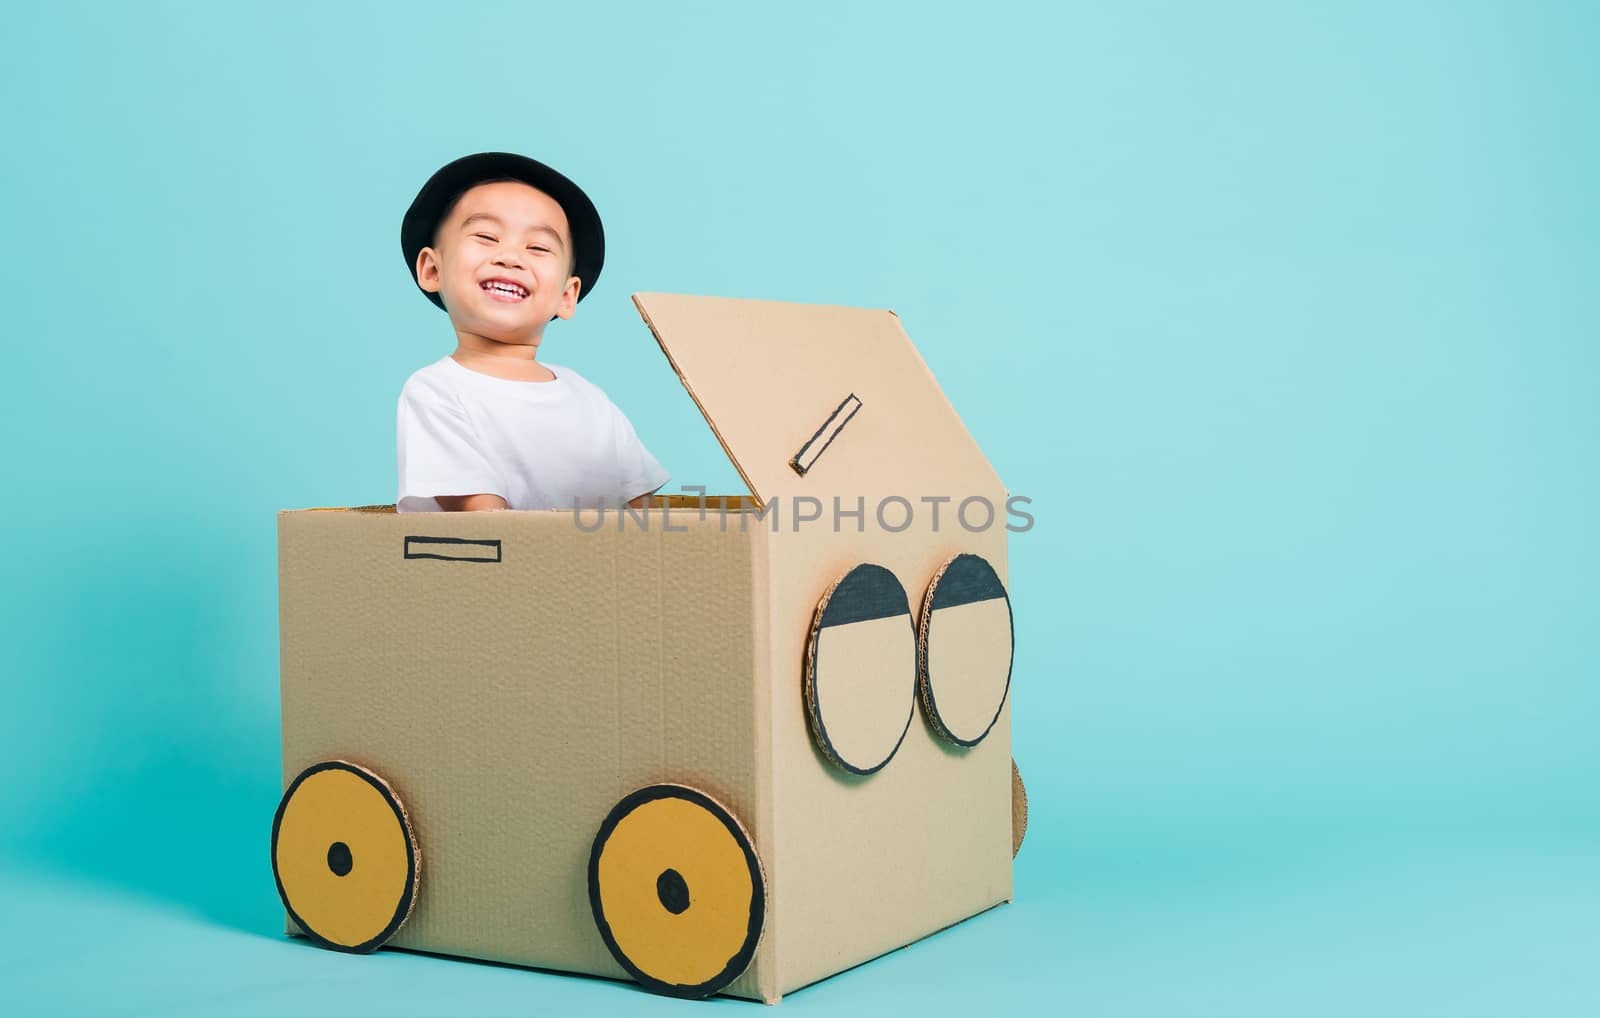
470,503
439,451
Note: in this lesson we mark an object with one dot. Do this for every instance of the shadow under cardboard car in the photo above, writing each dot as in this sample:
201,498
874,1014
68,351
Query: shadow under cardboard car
677,745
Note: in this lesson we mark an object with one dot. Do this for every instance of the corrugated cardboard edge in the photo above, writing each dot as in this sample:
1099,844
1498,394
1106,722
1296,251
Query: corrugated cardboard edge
766,963
290,927
711,421
1019,809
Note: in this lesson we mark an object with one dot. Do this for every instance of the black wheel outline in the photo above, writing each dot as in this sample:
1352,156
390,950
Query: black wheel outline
756,926
408,896
930,706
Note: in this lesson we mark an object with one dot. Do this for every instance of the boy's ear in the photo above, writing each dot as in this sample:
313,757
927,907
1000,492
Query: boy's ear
569,298
428,270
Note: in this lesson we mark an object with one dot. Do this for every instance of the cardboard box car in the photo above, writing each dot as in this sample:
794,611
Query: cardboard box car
799,753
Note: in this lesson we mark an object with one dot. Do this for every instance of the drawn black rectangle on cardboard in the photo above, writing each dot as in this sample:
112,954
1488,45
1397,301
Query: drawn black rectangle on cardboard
807,457
452,549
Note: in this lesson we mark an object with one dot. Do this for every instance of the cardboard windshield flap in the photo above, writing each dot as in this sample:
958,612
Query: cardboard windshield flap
680,745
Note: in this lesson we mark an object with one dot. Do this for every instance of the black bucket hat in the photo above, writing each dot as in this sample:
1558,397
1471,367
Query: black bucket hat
452,179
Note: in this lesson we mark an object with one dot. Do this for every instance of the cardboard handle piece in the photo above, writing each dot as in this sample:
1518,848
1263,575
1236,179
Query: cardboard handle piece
806,458
452,549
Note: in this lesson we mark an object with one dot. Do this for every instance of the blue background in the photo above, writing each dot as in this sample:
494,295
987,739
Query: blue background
1284,316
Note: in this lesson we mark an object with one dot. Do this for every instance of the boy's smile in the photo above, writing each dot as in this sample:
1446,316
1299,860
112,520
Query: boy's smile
501,288
502,267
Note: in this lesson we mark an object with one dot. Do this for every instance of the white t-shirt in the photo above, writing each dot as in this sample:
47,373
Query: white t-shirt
560,444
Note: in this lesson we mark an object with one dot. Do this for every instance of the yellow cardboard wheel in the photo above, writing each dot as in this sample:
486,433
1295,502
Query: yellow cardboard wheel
344,856
677,891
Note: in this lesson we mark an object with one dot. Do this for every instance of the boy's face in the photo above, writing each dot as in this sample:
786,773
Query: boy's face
512,234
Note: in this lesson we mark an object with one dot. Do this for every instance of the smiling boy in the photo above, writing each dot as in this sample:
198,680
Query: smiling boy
505,245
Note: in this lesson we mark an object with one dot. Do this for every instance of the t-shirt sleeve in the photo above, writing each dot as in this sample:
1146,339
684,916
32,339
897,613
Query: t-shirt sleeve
639,470
439,454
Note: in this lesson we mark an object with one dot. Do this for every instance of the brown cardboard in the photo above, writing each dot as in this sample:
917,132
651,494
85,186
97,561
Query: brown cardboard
768,375
514,678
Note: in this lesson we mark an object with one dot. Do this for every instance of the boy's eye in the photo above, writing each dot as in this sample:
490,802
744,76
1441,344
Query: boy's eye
536,247
485,236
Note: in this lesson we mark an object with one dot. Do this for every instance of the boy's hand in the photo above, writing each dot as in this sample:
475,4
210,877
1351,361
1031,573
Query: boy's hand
481,502
470,503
